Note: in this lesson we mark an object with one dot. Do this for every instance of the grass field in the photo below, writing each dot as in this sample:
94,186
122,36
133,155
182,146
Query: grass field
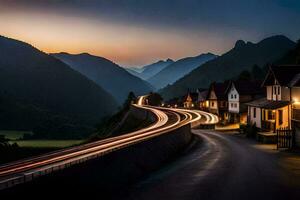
47,143
14,135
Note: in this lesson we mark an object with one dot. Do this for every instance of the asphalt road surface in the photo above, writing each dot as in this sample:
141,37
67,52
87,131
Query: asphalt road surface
222,166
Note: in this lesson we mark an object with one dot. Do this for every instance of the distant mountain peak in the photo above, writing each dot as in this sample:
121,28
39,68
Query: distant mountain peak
85,54
169,60
178,69
276,38
239,44
242,57
106,74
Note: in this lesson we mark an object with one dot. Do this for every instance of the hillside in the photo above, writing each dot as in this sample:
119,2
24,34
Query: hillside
178,69
43,91
113,78
292,57
154,68
242,57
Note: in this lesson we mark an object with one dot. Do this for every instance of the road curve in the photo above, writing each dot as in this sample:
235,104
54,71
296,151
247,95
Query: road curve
27,169
224,167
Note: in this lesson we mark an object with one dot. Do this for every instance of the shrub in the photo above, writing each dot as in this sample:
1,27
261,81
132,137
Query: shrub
250,130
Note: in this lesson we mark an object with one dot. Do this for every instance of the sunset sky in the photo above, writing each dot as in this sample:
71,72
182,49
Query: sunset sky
135,33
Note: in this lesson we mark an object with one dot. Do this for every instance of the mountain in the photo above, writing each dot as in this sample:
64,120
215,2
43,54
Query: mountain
242,57
153,69
136,69
133,72
113,78
292,57
38,90
178,69
148,71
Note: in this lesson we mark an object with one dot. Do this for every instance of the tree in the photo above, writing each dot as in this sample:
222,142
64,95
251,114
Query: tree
244,75
3,141
130,99
154,99
257,73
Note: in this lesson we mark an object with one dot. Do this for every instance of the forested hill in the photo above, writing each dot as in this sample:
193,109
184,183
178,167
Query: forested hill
242,57
41,90
108,75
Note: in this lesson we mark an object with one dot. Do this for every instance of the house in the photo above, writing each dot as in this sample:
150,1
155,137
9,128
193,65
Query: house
217,100
190,100
280,107
240,92
202,100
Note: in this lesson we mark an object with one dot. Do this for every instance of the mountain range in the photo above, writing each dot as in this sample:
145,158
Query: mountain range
149,71
108,75
178,69
39,92
242,57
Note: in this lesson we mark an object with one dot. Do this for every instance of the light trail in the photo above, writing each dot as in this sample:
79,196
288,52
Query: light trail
180,117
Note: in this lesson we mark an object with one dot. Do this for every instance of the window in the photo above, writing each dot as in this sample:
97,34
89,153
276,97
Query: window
232,96
280,121
278,90
212,104
235,96
274,90
235,105
254,112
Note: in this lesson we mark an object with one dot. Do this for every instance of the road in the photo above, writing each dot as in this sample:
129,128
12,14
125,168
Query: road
168,119
222,166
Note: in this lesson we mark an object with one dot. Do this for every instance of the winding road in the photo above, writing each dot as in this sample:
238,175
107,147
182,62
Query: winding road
222,166
168,119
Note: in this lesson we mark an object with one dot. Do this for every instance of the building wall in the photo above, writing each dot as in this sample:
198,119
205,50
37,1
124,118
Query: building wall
252,119
278,93
269,92
296,94
296,99
286,116
243,118
213,106
233,100
285,94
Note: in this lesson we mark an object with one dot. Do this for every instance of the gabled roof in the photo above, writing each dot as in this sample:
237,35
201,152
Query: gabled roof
203,95
192,95
219,89
246,87
268,104
283,74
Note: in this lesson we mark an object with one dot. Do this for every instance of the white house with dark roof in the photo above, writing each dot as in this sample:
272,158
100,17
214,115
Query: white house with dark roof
217,100
240,92
281,105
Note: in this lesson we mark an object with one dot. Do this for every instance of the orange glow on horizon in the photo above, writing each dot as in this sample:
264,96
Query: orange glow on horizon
127,45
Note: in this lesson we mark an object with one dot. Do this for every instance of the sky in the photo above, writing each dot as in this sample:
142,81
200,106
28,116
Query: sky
139,32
